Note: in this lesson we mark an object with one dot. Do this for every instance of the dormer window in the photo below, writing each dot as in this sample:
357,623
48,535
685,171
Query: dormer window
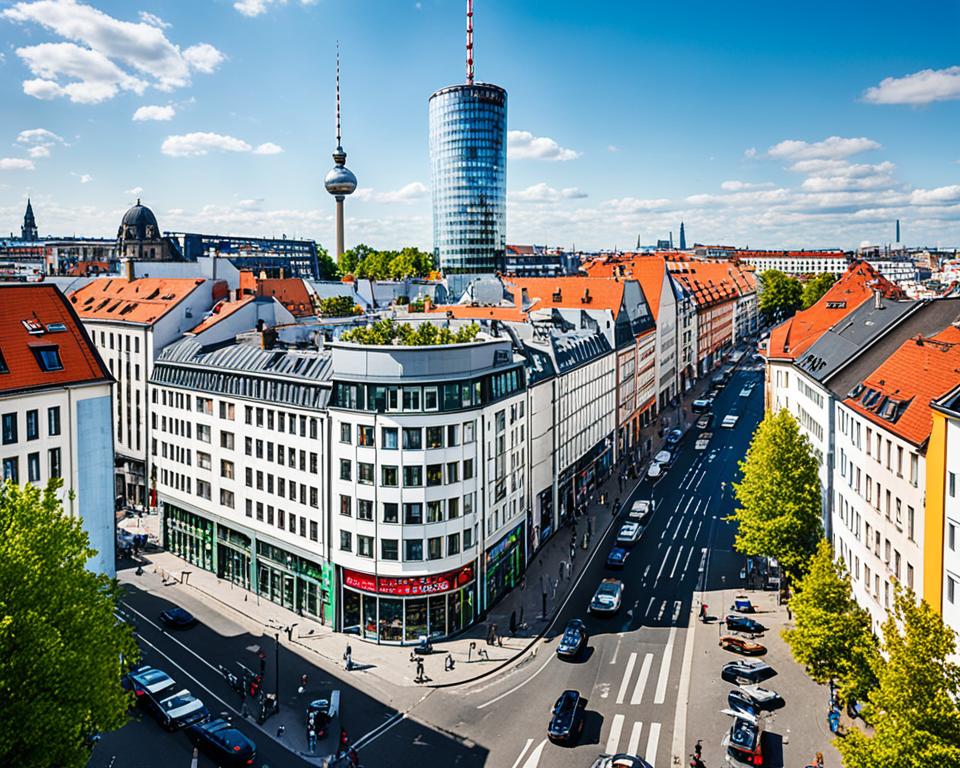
48,358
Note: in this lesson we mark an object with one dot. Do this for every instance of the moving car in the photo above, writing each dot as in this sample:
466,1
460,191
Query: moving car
606,600
744,624
762,697
702,405
746,391
746,672
224,743
641,511
704,421
180,710
654,471
629,534
738,702
621,760
674,436
177,618
744,647
730,421
744,742
617,557
574,639
566,724
663,457
149,685
703,441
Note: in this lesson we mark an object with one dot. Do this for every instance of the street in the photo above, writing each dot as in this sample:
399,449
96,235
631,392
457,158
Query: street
633,674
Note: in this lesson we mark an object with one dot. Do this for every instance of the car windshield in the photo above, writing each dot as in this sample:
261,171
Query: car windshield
571,635
608,590
744,734
182,699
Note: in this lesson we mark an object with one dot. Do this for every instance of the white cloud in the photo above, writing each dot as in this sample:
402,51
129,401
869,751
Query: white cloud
268,148
254,8
750,152
523,145
103,55
636,204
936,196
832,147
38,141
201,142
543,193
135,191
750,197
154,112
39,151
922,87
15,164
153,20
612,148
85,178
408,193
739,186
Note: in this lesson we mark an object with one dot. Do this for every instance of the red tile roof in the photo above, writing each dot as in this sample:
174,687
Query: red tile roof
221,310
570,292
712,282
796,335
291,292
45,310
897,395
143,301
648,269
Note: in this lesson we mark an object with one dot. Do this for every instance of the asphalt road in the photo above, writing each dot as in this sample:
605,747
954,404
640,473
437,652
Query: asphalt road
630,676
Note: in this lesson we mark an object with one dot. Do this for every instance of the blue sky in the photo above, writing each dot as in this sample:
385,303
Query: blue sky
761,124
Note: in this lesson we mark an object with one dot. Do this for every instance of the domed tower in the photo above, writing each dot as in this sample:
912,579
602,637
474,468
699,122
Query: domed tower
139,236
339,180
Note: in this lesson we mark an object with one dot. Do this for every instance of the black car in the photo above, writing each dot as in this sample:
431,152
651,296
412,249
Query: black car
674,436
621,760
574,639
746,672
566,724
223,742
743,624
177,618
745,741
149,685
617,557
740,703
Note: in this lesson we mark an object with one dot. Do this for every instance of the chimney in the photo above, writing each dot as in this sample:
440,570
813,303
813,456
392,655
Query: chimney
877,303
128,269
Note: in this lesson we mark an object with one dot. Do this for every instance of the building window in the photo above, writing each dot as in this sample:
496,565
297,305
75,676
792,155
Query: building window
53,421
952,537
391,512
412,476
469,429
364,509
346,433
346,505
453,544
33,467
453,435
11,469
413,513
388,438
205,405
365,436
413,549
430,399
226,498
434,437
364,546
453,508
389,549
33,425
411,398
453,472
314,498
388,476
203,433
951,480
412,438
9,428
227,411
951,590
435,548
226,440
346,541
434,474
203,489
365,473
53,463
204,460
48,358
435,511
468,469
345,470
226,469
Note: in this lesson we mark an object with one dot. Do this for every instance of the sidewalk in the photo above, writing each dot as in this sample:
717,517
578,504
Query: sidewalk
550,571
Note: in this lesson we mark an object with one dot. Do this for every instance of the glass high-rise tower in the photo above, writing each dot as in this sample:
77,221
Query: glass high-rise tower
468,159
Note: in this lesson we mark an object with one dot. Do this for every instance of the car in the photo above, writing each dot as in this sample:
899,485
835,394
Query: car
177,618
744,624
654,471
574,639
629,534
746,391
746,672
730,421
617,558
704,421
621,760
674,436
224,743
180,710
702,405
762,697
566,722
607,598
703,441
739,702
744,742
663,457
149,685
743,647
641,511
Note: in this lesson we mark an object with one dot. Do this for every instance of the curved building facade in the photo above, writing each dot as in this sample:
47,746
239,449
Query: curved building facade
468,159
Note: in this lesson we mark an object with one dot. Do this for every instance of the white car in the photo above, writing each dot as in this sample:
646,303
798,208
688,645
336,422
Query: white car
607,598
760,694
663,457
703,441
629,534
654,471
746,391
641,511
730,421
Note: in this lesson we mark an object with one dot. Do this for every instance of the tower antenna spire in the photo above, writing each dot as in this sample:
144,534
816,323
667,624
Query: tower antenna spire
469,42
338,93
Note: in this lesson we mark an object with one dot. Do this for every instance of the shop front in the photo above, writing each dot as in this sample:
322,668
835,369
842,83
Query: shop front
189,536
540,523
403,610
294,582
504,566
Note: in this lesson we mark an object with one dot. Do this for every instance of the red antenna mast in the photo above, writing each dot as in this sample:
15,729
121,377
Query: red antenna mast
469,42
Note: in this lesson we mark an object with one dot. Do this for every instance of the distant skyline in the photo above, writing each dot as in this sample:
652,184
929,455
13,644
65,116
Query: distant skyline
756,124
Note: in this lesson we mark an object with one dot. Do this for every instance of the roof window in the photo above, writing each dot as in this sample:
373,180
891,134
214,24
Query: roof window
48,358
3,364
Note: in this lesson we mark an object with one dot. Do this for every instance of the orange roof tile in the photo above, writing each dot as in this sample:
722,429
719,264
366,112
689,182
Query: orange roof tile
221,310
291,292
796,335
571,292
712,282
647,269
143,301
921,370
45,310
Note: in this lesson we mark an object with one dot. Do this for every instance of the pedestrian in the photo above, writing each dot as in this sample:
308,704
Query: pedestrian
573,552
448,663
513,623
419,670
311,739
563,567
491,633
303,683
344,741
523,582
348,657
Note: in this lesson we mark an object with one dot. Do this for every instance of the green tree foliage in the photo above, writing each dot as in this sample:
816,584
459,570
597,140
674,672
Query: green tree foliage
388,332
779,495
815,287
366,263
337,306
914,709
832,637
60,644
328,267
780,294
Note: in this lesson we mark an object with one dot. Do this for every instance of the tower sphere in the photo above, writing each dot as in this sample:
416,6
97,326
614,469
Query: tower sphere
340,180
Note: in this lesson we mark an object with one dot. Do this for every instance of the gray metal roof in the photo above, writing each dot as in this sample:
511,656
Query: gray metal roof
575,348
309,364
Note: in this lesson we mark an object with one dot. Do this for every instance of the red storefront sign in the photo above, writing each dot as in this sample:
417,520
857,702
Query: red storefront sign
408,586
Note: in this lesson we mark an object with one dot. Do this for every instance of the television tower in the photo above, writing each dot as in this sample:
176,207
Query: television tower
340,180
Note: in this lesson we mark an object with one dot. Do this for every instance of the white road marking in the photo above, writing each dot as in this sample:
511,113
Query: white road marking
696,508
677,561
381,729
634,744
683,692
663,607
697,532
702,475
616,649
653,741
534,760
663,564
686,533
687,508
703,559
517,687
613,740
687,564
641,682
676,531
661,693
627,673
649,606
522,753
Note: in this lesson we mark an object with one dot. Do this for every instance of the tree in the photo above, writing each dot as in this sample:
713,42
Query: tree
62,649
389,332
832,637
780,295
350,258
779,495
337,306
815,288
328,267
914,708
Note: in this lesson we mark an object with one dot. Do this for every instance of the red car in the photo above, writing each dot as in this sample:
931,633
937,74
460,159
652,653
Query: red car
743,647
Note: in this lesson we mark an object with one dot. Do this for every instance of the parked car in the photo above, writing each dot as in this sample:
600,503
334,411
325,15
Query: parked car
744,742
746,391
702,405
730,421
149,685
177,618
654,471
663,457
762,697
621,760
746,672
606,600
744,624
738,701
743,647
180,710
617,557
224,743
566,722
674,436
641,511
704,421
574,639
703,441
629,534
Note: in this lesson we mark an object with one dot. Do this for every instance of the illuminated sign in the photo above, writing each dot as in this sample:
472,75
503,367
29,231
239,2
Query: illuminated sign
409,586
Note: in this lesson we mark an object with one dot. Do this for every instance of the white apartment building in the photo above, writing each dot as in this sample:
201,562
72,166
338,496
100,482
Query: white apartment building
796,263
943,510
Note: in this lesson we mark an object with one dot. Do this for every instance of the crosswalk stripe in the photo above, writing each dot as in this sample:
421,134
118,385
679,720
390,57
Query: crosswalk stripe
661,691
627,673
534,760
522,753
634,743
642,680
614,738
653,741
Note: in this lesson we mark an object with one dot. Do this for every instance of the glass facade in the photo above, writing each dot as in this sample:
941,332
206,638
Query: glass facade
468,159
